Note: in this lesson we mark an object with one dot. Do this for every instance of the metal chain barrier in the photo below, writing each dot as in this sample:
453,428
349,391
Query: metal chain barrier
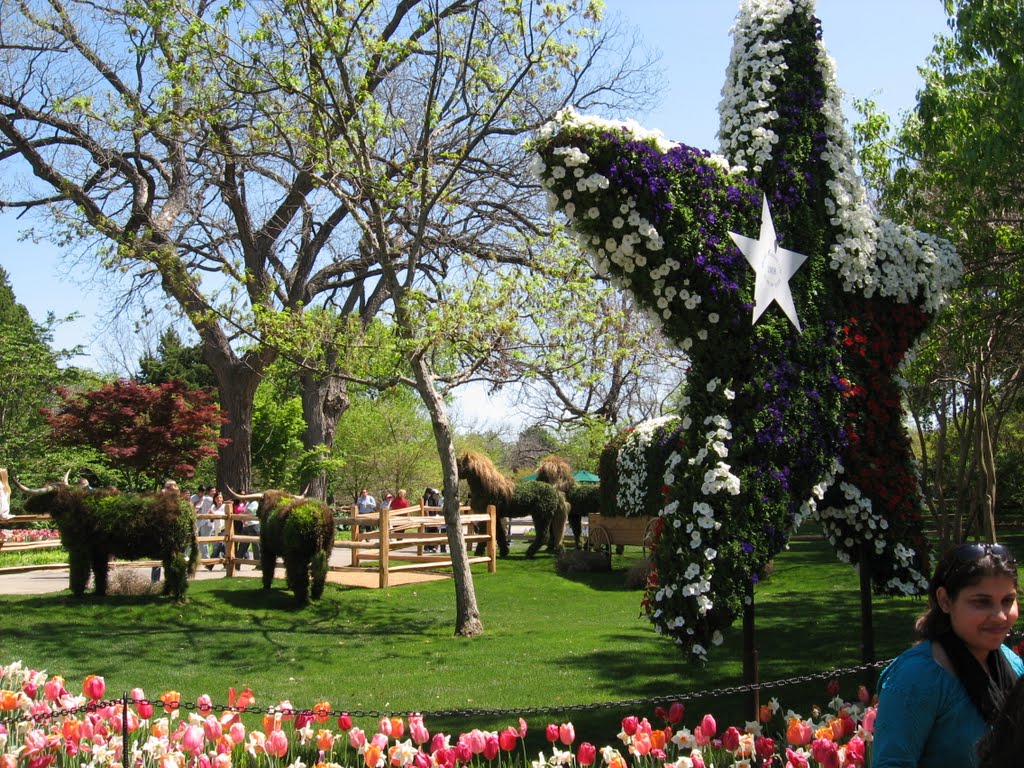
635,704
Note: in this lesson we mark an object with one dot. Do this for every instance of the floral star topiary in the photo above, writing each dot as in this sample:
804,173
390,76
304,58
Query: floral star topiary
772,414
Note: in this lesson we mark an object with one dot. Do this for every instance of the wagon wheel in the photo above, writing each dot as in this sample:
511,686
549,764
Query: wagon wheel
648,540
598,540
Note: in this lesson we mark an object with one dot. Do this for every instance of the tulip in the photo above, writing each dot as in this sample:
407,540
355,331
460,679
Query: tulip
491,747
508,739
551,733
237,732
586,754
462,752
356,738
277,744
303,719
825,752
797,759
380,740
439,742
661,713
476,739
324,740
212,728
522,728
54,688
417,730
868,721
708,726
566,733
641,743
397,728
863,696
832,688
142,705
345,721
676,712
384,726
630,724
222,760
93,686
799,732
699,738
374,756
421,760
192,739
854,752
204,704
203,761
765,748
171,701
322,711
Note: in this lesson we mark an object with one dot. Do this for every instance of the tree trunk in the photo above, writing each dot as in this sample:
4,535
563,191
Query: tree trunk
324,400
237,380
467,614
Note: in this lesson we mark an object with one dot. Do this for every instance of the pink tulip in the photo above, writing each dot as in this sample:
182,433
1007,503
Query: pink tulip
863,695
462,752
699,738
356,738
384,726
142,705
855,752
30,689
237,732
439,742
868,721
417,730
192,739
551,733
566,733
630,725
203,761
93,686
54,688
586,754
474,740
380,741
522,728
277,744
212,728
421,760
708,726
204,704
222,760
825,752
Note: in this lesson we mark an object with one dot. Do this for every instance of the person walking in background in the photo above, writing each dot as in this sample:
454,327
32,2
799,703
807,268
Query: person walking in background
937,699
388,498
365,504
203,506
5,495
400,502
219,508
170,486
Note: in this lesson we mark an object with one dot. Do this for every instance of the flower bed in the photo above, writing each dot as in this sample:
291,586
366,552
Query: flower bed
43,724
28,535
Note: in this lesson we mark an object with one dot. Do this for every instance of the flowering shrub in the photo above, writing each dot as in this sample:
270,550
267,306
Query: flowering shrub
632,467
42,723
774,414
25,535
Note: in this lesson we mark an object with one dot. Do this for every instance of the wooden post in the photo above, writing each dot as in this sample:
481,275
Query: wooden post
229,544
384,548
751,673
492,539
356,535
867,627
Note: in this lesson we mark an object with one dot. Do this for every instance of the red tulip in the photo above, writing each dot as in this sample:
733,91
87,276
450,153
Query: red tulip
764,747
551,733
832,689
630,725
344,721
142,705
586,754
676,712
491,747
508,739
302,719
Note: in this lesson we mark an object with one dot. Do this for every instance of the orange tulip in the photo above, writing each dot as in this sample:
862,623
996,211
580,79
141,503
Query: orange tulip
617,761
322,711
325,740
374,756
8,701
171,701
159,728
799,732
69,730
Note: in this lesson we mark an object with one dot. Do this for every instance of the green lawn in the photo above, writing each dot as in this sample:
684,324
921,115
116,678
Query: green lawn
551,642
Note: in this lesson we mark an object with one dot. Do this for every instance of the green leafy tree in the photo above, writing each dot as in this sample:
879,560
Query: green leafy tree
953,167
174,361
29,373
148,433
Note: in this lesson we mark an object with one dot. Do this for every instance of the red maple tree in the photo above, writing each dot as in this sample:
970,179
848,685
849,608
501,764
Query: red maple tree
148,432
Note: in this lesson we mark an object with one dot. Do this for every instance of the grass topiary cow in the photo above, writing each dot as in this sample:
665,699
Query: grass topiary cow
97,525
301,531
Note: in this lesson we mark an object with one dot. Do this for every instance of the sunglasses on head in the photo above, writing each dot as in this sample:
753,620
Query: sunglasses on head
971,551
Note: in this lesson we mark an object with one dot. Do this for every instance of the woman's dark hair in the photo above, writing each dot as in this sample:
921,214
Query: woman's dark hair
1004,744
962,566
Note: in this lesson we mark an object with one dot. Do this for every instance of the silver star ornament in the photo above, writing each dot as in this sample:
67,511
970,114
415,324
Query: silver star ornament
774,266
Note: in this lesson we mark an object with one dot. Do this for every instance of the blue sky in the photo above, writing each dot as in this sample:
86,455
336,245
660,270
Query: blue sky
878,46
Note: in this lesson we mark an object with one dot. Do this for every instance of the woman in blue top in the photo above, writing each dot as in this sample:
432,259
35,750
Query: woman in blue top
937,699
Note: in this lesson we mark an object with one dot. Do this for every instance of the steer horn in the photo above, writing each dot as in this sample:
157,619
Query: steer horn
244,496
31,491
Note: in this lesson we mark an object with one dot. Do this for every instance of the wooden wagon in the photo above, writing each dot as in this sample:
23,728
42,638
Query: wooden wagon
607,531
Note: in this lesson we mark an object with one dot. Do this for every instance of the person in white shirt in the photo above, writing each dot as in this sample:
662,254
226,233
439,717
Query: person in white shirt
5,494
